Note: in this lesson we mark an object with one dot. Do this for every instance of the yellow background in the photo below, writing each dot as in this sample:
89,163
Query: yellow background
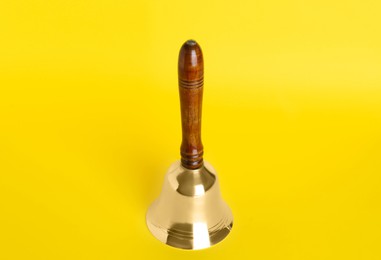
90,122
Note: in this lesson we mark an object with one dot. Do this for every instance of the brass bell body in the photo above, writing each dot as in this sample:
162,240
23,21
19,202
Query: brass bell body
190,212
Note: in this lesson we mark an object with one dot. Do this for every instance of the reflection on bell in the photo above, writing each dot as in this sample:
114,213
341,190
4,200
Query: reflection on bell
190,212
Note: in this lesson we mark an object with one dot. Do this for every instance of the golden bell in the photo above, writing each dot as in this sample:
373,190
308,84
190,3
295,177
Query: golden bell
190,212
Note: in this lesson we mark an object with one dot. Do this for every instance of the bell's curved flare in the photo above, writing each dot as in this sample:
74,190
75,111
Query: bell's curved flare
190,212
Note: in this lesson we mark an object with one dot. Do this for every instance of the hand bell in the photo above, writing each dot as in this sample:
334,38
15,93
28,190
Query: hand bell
190,212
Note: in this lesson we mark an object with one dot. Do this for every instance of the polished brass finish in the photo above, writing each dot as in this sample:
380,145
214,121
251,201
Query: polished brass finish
190,212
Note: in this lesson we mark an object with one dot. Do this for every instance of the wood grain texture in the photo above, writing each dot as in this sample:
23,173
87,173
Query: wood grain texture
191,82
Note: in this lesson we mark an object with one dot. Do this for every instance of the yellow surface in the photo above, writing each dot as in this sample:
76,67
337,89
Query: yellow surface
90,122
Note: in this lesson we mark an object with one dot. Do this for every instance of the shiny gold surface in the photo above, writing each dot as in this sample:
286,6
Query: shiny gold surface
190,212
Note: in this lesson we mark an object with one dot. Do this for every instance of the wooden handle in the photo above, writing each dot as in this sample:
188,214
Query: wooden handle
191,82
